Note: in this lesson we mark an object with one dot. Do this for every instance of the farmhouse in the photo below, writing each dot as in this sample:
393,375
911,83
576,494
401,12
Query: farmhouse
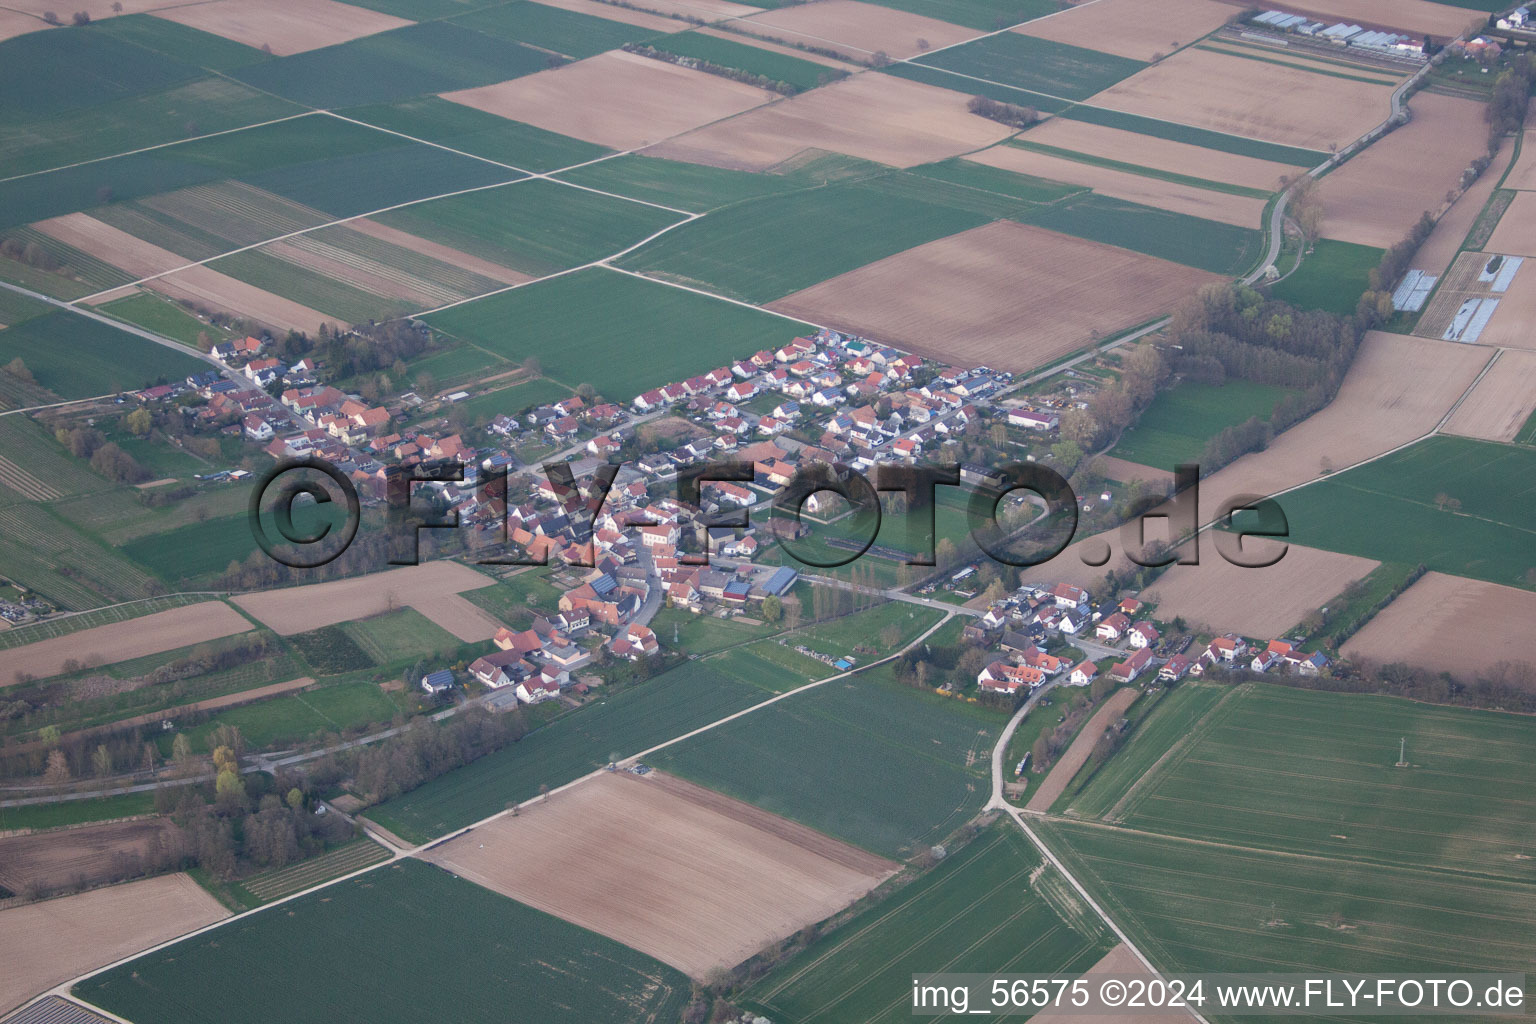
1001,677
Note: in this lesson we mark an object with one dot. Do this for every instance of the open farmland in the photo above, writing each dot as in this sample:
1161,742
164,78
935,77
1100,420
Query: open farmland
857,29
1130,28
615,99
1523,174
1502,401
530,968
1453,227
1164,155
1424,16
991,906
282,26
533,227
1453,504
429,57
432,588
1306,772
1500,618
1379,194
1075,756
572,34
723,878
1194,906
128,639
1510,325
1516,233
1261,603
1148,189
724,51
1037,65
77,357
620,333
931,753
343,860
1183,419
82,857
62,563
1319,110
1007,295
874,117
474,131
47,943
1331,277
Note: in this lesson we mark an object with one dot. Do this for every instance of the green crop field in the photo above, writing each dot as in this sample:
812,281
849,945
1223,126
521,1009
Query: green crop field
32,447
985,15
1388,510
430,57
1207,244
794,71
191,551
405,634
989,908
762,250
703,634
1176,132
1039,65
568,33
1331,277
474,131
1179,422
516,598
45,74
960,82
965,175
572,745
618,332
162,316
513,400
1308,772
77,812
302,285
694,187
1171,723
43,552
422,10
1023,142
1194,906
537,227
528,967
180,42
895,768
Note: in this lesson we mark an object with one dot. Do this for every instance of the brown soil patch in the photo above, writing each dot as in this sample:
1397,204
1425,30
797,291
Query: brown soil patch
788,51
1006,295
287,26
616,99
1056,780
1502,401
81,857
1493,622
877,117
432,588
19,17
126,640
14,23
709,10
1253,99
864,29
1161,154
1255,602
615,13
327,259
1377,196
1516,233
1510,326
437,251
1166,195
1138,29
129,254
1404,15
46,944
206,287
684,874
1122,963
1443,243
1523,174
1125,472
1398,390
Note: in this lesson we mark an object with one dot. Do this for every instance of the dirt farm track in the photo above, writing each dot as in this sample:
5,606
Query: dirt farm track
44,944
694,878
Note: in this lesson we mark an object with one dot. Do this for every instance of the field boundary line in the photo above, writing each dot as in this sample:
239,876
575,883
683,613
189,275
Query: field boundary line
1179,752
161,145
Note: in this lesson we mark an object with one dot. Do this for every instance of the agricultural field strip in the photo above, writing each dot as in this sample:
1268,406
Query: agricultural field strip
398,853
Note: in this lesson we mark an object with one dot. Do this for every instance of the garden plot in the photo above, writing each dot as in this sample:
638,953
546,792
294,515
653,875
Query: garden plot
1468,296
